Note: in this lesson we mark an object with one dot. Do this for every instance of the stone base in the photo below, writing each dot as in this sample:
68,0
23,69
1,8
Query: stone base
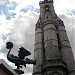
55,67
72,72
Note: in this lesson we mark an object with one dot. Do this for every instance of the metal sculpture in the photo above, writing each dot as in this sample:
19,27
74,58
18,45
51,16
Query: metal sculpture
21,59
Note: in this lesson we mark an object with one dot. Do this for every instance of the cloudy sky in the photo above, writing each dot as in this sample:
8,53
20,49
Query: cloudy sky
17,24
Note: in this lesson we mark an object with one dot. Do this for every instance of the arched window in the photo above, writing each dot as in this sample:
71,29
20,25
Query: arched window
46,8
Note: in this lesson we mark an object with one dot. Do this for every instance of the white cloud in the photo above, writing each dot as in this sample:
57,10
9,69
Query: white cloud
3,56
62,5
3,1
21,25
1,43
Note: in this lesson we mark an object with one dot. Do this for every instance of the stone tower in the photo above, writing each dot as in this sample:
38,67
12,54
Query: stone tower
53,53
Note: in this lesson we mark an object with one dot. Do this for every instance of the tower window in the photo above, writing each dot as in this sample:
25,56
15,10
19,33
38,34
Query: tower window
47,17
59,22
46,8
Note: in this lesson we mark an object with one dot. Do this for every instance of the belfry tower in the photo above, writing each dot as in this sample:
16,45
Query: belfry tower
53,53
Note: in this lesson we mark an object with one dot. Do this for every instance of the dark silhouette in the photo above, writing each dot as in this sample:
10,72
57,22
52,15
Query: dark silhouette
21,59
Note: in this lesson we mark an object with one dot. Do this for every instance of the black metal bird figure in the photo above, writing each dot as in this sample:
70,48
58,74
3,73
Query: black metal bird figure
21,59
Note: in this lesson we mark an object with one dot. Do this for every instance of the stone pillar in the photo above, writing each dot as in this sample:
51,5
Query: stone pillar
50,42
66,50
38,52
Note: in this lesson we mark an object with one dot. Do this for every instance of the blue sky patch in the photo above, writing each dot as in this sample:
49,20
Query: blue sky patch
30,7
4,37
71,12
6,7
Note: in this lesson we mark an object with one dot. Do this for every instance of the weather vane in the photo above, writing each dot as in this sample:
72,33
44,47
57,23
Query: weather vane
19,60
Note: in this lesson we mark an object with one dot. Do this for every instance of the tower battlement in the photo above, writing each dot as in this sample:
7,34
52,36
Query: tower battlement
46,1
